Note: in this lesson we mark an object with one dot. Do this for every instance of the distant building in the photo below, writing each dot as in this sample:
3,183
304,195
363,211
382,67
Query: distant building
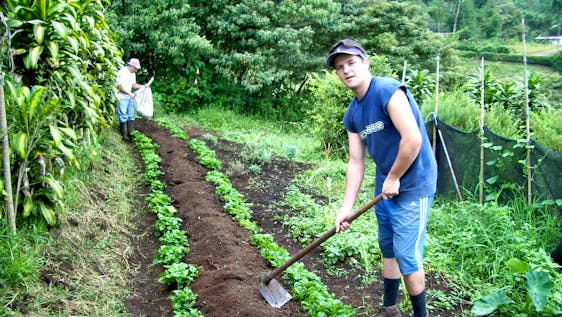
556,40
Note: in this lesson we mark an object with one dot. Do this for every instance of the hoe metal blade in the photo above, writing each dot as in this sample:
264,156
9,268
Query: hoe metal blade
273,292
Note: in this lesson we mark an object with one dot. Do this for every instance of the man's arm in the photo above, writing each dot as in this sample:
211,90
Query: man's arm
128,93
137,86
410,141
353,179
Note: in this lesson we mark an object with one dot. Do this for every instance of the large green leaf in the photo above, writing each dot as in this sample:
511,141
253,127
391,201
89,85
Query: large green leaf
60,29
39,33
19,144
28,206
31,59
55,133
489,303
54,50
538,286
48,214
517,265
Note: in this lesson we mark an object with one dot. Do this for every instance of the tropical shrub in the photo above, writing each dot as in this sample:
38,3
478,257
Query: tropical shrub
60,58
547,128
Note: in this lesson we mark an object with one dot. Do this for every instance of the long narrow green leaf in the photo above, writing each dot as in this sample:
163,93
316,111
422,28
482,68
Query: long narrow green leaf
68,153
55,133
35,100
30,61
73,43
39,33
48,213
54,50
55,185
43,9
54,10
69,132
60,29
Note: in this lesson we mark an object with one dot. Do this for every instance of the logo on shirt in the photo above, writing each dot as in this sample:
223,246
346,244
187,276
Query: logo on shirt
370,129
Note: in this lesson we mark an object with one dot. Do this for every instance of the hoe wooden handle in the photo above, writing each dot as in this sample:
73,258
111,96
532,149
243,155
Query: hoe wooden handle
319,241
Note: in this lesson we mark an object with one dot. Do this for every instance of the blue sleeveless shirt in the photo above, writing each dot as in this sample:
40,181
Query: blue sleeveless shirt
370,119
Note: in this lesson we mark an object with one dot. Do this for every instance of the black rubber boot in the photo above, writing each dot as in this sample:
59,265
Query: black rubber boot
130,128
124,131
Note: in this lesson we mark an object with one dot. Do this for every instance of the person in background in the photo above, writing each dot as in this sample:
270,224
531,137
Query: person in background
126,81
383,118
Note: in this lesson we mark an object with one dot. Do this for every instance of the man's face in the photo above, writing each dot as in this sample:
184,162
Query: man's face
132,69
352,70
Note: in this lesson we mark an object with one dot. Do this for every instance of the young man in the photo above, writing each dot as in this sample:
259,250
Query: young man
384,119
126,81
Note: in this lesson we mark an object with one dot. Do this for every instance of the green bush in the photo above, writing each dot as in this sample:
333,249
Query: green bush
326,115
553,61
547,128
503,122
455,108
479,46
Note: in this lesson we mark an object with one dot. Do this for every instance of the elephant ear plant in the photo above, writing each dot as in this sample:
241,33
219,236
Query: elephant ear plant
537,285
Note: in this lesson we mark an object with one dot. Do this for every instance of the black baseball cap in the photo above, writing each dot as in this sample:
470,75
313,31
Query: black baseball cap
345,46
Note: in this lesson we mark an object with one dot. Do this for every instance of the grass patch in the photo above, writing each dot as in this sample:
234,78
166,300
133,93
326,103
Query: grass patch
284,139
84,259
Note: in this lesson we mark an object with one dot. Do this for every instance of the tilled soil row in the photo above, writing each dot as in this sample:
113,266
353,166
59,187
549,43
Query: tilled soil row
228,282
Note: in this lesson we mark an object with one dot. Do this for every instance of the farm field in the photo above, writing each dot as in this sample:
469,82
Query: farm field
228,282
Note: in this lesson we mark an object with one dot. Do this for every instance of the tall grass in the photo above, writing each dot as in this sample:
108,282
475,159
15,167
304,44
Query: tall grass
20,259
470,244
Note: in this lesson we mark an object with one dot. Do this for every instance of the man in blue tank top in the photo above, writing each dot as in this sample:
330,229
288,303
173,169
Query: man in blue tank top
385,120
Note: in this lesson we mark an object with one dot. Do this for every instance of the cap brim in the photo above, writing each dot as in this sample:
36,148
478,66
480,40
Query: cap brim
345,50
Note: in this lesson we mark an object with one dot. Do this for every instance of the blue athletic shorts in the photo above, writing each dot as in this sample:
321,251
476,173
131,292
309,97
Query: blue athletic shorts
402,228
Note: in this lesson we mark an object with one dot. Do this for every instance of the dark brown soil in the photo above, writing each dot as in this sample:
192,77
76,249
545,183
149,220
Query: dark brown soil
228,283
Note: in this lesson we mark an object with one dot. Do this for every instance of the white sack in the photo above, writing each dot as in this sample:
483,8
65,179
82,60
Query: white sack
143,101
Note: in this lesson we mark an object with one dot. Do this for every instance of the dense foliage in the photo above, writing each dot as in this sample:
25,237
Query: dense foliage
59,59
485,19
258,55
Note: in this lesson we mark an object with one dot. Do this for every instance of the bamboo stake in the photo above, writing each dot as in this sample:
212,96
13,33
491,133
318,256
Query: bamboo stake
528,121
436,109
451,169
404,72
482,112
6,160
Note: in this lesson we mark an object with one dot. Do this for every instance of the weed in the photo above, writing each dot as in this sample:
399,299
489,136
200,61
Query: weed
235,168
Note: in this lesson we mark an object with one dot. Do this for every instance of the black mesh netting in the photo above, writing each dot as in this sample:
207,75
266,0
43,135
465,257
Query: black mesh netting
504,165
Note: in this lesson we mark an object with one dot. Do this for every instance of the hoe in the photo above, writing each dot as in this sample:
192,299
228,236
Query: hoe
272,290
